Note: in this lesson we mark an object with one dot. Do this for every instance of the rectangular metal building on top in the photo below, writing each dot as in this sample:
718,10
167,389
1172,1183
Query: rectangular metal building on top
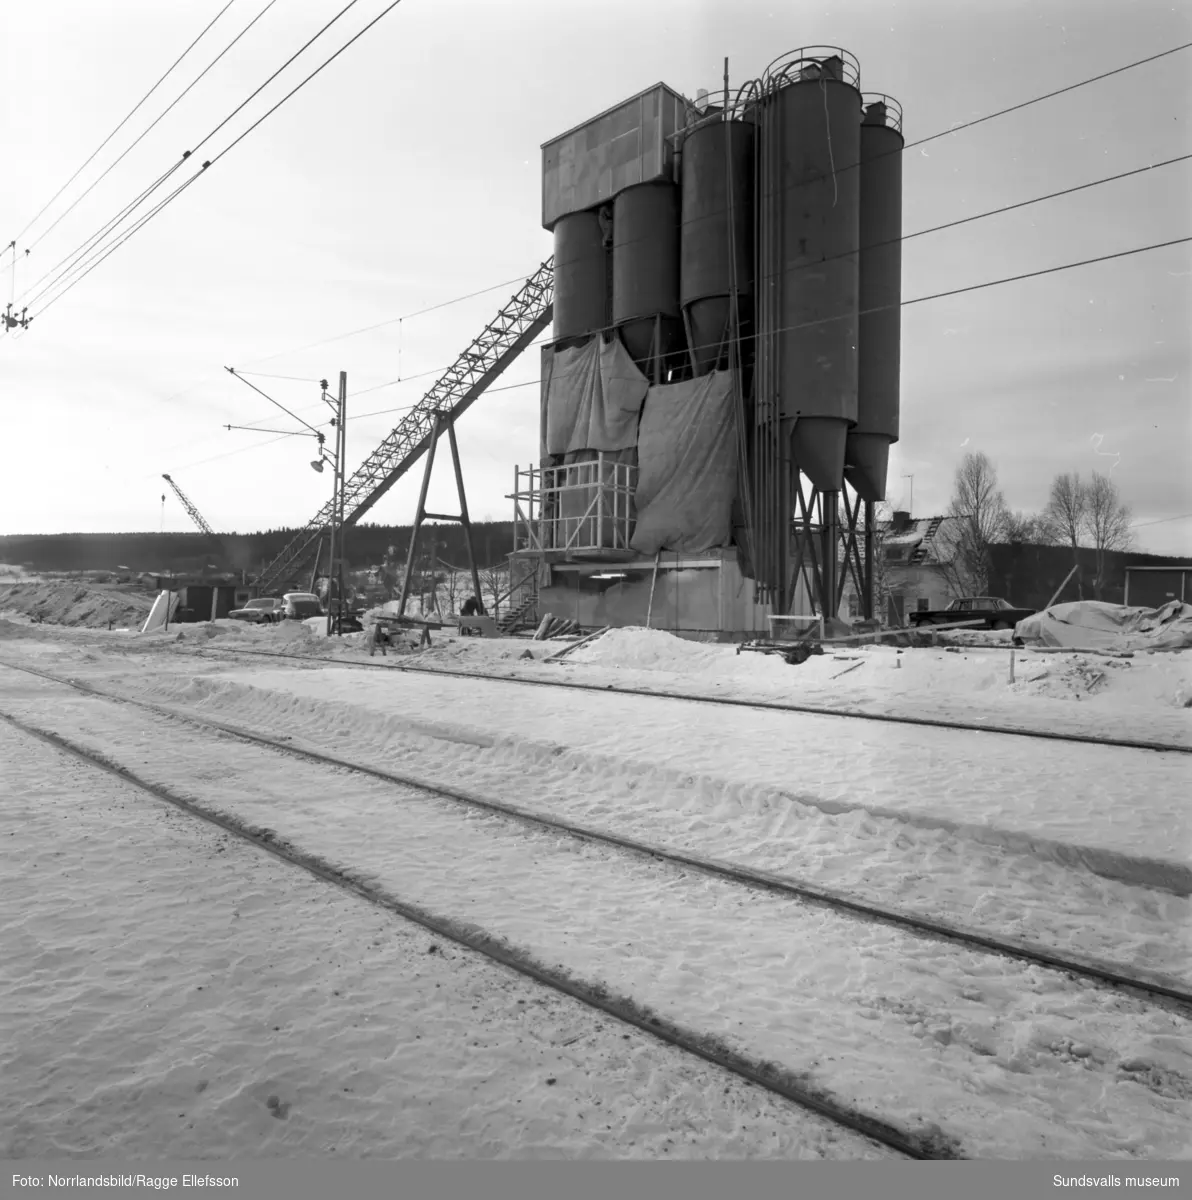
627,144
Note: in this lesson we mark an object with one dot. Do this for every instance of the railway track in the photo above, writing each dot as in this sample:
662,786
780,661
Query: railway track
723,701
926,1144
1097,972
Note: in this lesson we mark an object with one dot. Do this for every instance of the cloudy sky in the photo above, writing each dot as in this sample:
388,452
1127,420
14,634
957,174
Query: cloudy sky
407,174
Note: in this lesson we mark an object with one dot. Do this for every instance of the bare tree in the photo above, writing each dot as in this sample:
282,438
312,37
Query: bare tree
494,581
979,509
1108,524
1026,528
1066,515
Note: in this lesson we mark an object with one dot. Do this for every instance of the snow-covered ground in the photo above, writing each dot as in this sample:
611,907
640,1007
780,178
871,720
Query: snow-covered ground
1084,848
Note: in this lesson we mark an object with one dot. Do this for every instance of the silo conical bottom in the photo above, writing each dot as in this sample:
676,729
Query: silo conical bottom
868,457
708,321
817,444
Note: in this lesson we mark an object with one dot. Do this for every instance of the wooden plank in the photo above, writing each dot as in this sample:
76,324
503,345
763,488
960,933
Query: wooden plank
575,645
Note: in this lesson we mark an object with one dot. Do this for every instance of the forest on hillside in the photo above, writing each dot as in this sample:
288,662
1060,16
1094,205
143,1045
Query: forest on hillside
182,553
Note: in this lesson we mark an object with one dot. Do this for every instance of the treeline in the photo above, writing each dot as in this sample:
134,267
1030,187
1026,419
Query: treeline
186,553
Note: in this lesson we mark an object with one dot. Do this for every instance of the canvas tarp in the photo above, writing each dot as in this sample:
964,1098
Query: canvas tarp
687,466
1091,625
592,398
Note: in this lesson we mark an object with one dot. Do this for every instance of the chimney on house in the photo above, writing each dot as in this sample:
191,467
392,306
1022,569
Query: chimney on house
900,521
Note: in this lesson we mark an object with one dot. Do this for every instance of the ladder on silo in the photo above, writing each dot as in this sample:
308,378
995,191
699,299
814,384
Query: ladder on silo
518,323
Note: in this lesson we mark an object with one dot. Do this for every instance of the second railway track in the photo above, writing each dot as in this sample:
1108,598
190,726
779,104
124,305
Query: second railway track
636,1006
724,701
1101,973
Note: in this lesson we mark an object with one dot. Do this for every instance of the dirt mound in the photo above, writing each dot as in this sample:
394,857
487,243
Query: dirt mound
67,603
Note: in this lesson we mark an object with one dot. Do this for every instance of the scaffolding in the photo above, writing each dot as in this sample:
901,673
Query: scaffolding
583,510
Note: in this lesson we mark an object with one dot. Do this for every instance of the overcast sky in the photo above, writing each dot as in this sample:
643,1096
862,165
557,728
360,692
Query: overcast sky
408,174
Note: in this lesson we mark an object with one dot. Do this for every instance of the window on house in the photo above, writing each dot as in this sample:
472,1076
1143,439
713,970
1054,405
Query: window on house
922,604
854,606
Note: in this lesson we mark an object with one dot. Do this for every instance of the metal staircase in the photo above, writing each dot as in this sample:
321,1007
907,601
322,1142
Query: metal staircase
522,319
521,616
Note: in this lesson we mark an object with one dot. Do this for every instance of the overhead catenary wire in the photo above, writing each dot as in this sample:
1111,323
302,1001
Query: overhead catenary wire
876,245
250,98
131,113
381,324
156,122
861,312
943,133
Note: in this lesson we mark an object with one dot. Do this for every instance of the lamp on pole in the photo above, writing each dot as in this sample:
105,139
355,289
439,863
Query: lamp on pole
336,461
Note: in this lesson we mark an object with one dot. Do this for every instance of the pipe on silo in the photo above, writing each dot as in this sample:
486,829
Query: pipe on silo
818,237
880,322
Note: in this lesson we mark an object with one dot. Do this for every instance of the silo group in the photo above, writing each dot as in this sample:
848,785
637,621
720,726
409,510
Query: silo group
752,244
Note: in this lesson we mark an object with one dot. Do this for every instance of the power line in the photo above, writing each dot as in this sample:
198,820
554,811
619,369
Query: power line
126,119
1161,521
254,125
164,114
229,117
381,324
861,313
234,143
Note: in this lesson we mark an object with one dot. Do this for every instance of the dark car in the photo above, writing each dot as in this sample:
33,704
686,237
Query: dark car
301,605
995,612
266,611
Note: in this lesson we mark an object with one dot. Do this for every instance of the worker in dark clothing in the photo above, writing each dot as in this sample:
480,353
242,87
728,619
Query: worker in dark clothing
471,608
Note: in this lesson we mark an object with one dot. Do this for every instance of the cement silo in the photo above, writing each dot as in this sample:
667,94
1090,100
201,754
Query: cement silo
646,273
880,321
582,273
716,240
817,109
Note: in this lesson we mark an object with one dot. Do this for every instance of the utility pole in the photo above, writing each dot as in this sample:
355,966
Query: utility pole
335,562
911,504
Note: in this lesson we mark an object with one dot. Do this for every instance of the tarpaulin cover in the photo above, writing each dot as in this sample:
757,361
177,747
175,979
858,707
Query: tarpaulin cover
687,466
593,398
1091,625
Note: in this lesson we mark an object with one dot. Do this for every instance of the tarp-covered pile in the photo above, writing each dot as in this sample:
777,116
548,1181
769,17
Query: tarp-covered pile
1091,625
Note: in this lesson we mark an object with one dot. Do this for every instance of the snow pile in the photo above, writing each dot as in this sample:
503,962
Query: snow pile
643,649
63,602
1091,625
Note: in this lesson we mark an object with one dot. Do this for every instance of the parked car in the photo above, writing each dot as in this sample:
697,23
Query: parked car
266,611
301,605
995,612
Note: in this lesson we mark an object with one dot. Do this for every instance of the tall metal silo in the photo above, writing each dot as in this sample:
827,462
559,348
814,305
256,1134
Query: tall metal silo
582,267
868,452
646,272
716,240
817,109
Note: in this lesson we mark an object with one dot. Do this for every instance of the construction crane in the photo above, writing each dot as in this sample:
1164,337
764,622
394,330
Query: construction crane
527,313
195,515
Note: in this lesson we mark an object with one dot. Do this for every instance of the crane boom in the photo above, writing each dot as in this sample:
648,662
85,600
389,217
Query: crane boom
195,515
